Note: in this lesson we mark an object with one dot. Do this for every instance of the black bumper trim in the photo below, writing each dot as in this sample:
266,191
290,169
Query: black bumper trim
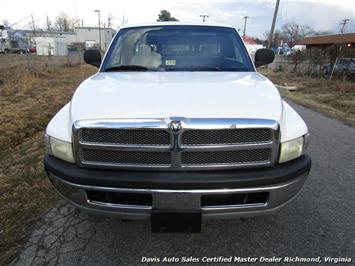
178,180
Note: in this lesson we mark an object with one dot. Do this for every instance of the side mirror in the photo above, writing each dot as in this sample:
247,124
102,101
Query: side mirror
92,57
264,56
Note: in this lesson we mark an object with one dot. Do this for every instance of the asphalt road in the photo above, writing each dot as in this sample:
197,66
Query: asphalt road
320,222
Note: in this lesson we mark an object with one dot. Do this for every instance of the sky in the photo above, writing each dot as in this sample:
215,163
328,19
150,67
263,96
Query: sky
320,14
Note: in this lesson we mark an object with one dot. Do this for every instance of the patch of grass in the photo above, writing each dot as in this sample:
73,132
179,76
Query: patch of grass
28,100
335,98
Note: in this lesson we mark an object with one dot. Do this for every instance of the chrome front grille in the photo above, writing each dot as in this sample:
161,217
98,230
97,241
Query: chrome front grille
125,136
254,156
225,136
125,157
176,143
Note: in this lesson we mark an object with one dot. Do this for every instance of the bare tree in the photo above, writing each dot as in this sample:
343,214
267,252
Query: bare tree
278,37
109,20
306,30
316,58
295,32
124,21
6,23
49,24
297,58
290,30
64,23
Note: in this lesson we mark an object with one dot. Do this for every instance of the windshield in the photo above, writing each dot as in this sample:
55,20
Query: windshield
177,48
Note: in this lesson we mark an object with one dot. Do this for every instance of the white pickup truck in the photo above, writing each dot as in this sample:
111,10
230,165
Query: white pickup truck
177,126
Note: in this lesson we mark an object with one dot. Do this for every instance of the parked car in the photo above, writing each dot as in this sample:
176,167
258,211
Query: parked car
343,66
177,126
14,48
32,49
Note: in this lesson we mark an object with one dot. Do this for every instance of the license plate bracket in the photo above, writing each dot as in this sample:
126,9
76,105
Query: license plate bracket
176,221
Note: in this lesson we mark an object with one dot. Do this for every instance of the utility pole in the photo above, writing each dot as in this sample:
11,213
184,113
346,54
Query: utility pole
204,17
33,24
48,24
245,24
343,24
98,13
271,35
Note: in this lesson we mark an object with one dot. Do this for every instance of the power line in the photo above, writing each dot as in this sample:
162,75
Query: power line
245,24
30,25
343,24
18,22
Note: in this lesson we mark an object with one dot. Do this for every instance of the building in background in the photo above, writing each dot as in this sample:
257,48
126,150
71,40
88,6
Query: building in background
342,45
12,41
54,42
69,37
51,46
3,38
48,42
90,36
251,45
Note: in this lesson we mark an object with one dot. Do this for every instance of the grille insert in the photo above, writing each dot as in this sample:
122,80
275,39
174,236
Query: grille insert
125,157
119,198
234,199
226,157
125,136
225,136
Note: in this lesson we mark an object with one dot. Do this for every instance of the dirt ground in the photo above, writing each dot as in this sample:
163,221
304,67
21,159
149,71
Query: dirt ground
335,98
32,90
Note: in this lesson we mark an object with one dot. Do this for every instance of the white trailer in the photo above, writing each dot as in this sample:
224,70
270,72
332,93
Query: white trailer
51,46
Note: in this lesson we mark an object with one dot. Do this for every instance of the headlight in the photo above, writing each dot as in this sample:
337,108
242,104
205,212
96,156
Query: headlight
292,149
59,148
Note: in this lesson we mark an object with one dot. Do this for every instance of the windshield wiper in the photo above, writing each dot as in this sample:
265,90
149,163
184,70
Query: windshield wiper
129,68
195,68
206,68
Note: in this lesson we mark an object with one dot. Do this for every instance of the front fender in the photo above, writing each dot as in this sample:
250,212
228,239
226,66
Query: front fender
292,124
60,126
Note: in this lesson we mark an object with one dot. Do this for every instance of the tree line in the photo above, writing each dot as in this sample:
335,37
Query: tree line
61,23
291,32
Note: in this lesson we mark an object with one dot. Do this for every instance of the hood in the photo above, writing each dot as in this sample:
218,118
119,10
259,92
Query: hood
110,95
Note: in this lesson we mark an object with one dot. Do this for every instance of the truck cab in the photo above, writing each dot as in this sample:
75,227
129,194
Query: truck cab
177,126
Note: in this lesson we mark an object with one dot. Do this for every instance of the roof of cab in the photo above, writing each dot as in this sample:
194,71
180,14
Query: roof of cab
177,23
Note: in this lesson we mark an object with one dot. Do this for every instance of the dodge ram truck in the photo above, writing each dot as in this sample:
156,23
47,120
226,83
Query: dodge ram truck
176,127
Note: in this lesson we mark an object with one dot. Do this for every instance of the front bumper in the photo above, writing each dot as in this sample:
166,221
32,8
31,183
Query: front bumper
216,194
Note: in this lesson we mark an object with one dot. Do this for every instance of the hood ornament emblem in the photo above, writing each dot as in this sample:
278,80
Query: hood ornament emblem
175,126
